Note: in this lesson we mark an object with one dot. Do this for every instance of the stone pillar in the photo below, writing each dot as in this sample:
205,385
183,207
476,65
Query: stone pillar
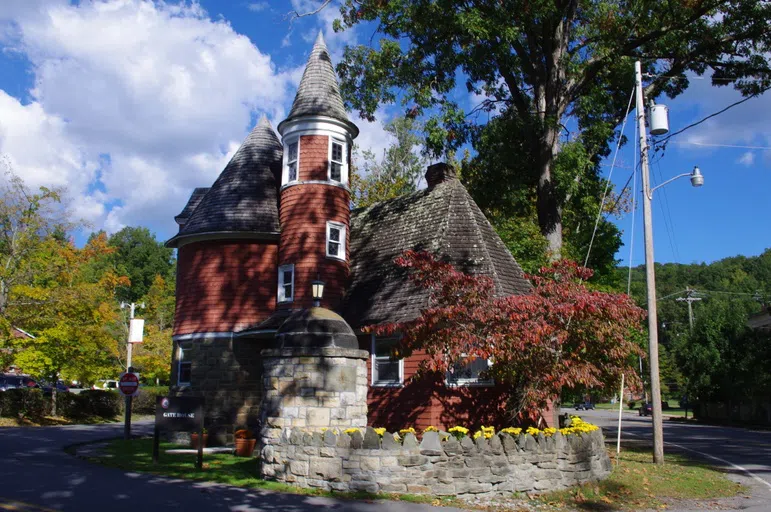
312,388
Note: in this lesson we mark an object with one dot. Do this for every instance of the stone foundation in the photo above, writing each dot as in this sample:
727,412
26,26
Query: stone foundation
228,373
313,388
499,466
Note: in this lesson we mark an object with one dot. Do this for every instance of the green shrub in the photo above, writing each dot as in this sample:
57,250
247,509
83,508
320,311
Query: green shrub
105,404
66,404
24,403
632,404
144,401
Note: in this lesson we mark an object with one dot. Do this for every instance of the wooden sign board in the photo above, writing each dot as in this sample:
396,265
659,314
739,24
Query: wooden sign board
179,414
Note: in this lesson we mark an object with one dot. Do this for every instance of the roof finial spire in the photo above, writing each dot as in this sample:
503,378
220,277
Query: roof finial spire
263,121
320,39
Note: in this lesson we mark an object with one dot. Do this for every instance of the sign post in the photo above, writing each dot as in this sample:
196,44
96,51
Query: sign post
178,414
128,384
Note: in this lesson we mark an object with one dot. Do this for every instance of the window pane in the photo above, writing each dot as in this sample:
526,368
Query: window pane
287,277
334,234
470,372
337,172
292,152
185,369
333,248
288,291
387,370
292,171
337,152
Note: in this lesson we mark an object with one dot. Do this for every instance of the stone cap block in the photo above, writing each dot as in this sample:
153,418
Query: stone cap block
350,353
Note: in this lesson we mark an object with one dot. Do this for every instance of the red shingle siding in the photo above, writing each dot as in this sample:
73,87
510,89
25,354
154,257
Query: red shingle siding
304,212
314,157
224,286
428,401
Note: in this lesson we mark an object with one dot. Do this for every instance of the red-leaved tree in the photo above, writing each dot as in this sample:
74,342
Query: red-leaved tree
560,335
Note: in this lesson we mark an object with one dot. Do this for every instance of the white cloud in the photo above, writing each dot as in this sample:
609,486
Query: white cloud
257,6
747,158
164,90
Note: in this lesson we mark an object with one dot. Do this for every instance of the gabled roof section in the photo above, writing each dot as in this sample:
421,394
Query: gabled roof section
443,220
319,91
195,198
243,201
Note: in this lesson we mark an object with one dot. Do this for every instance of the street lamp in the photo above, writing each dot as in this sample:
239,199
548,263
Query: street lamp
659,127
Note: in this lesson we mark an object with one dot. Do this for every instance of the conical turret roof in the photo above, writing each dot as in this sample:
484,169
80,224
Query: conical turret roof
319,91
244,198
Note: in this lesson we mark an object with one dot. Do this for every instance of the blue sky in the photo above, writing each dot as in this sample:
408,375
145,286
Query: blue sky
129,104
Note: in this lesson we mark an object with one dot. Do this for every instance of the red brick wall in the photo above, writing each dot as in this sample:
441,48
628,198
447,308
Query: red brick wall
314,157
224,286
304,212
428,401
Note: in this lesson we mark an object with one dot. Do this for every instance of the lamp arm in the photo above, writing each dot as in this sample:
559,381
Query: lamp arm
670,180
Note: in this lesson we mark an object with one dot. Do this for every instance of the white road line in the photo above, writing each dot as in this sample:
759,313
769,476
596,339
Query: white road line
735,466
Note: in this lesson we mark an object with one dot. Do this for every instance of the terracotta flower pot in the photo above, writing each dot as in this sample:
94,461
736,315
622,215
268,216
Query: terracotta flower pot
194,440
245,447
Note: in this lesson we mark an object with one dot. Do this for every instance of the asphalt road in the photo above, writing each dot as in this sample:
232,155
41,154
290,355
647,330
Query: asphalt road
744,454
37,475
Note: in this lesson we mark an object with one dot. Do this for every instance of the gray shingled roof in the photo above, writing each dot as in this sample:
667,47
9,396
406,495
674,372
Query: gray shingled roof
195,198
244,198
319,92
444,220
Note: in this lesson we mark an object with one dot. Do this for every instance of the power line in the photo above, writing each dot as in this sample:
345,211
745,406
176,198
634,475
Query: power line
610,175
668,214
732,105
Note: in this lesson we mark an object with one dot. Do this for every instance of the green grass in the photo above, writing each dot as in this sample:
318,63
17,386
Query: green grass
674,409
638,483
136,455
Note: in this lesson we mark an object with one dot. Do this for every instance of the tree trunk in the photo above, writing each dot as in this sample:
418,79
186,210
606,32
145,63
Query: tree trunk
547,203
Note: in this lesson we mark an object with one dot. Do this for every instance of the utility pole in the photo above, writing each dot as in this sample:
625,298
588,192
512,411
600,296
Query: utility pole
129,399
690,299
650,275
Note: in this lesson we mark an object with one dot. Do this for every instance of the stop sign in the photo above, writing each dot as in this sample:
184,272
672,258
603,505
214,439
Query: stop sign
129,384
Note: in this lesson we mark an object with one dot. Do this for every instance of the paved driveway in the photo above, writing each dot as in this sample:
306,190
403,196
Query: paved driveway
744,454
36,474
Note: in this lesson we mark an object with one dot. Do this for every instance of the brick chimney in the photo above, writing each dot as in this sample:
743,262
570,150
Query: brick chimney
439,173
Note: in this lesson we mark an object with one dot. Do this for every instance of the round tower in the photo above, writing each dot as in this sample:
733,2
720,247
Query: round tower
314,200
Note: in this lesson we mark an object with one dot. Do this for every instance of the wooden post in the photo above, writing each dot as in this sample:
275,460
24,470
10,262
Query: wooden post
156,443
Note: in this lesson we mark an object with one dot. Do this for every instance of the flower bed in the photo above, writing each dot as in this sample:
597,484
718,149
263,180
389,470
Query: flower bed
457,462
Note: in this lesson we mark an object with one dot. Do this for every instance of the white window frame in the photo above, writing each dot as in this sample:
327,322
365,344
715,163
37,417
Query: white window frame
342,242
182,347
281,297
373,363
285,172
471,382
344,163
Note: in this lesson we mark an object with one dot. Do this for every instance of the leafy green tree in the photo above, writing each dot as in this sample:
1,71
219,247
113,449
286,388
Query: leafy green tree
141,257
545,65
398,172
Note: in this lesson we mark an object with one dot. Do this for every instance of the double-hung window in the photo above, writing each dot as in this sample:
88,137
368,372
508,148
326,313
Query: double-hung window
386,371
292,156
338,165
184,363
470,374
336,240
286,283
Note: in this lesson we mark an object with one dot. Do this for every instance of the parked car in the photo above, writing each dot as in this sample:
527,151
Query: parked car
61,387
646,409
8,381
585,406
109,385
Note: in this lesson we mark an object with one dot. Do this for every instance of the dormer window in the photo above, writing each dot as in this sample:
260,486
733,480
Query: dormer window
338,164
292,157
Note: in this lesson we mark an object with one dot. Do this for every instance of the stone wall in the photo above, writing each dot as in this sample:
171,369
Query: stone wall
314,388
498,466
